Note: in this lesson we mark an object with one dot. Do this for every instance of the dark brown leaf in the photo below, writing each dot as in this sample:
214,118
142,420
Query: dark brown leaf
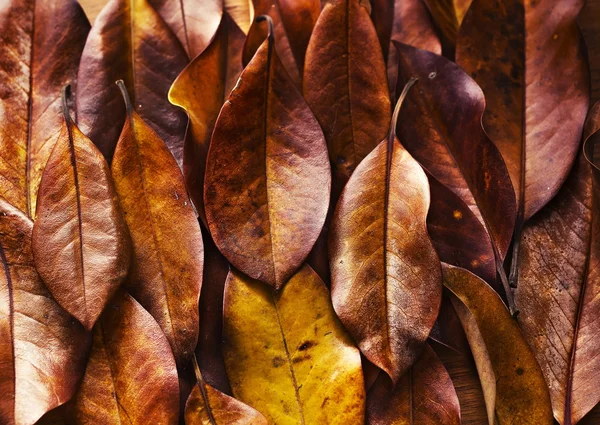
448,15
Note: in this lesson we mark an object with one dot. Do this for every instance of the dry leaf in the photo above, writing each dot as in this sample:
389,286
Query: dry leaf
30,85
287,355
81,244
448,15
267,176
166,273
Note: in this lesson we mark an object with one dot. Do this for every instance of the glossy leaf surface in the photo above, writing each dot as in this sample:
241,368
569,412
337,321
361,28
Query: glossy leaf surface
81,243
194,22
536,84
384,269
166,273
355,111
201,89
440,125
512,382
267,177
36,62
293,21
131,375
287,354
130,42
42,349
559,290
424,395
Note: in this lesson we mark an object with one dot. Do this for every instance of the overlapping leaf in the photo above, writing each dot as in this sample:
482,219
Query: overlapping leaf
559,289
201,89
81,243
266,194
424,395
287,355
166,273
512,382
354,112
130,41
384,269
448,16
131,375
36,61
42,349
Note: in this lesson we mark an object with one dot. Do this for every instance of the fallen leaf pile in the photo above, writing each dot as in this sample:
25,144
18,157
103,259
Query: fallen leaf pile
308,212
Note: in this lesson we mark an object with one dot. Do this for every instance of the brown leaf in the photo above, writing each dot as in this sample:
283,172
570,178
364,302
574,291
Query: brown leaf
166,273
536,83
130,41
42,349
267,177
355,111
559,290
208,406
131,375
448,15
512,382
81,244
201,89
194,22
384,269
424,395
30,87
287,354
241,11
441,127
293,22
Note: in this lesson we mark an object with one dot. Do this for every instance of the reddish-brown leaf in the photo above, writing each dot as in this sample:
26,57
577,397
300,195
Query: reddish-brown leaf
559,289
194,22
131,375
36,62
241,11
293,22
267,179
440,126
201,90
354,112
384,269
130,41
42,349
424,395
81,245
448,15
166,273
512,382
536,82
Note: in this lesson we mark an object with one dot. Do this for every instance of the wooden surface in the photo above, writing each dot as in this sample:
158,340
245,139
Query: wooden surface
461,368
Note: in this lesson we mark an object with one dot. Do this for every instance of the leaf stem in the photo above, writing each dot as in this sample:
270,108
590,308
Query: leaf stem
66,95
125,95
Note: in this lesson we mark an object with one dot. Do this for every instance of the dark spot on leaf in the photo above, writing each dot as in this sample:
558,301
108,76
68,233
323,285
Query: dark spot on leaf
277,361
520,371
306,345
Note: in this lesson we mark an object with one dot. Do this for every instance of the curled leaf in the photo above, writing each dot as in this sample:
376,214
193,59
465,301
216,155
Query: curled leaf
267,178
287,354
42,349
131,375
81,244
166,273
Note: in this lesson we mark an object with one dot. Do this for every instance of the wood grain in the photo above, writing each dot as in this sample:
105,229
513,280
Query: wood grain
463,370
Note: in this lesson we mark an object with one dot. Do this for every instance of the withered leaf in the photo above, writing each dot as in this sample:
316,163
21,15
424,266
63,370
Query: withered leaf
131,375
559,289
355,111
201,90
194,22
130,41
166,274
512,382
287,354
440,125
241,11
267,178
384,269
36,62
536,83
293,21
42,349
424,395
81,244
448,15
